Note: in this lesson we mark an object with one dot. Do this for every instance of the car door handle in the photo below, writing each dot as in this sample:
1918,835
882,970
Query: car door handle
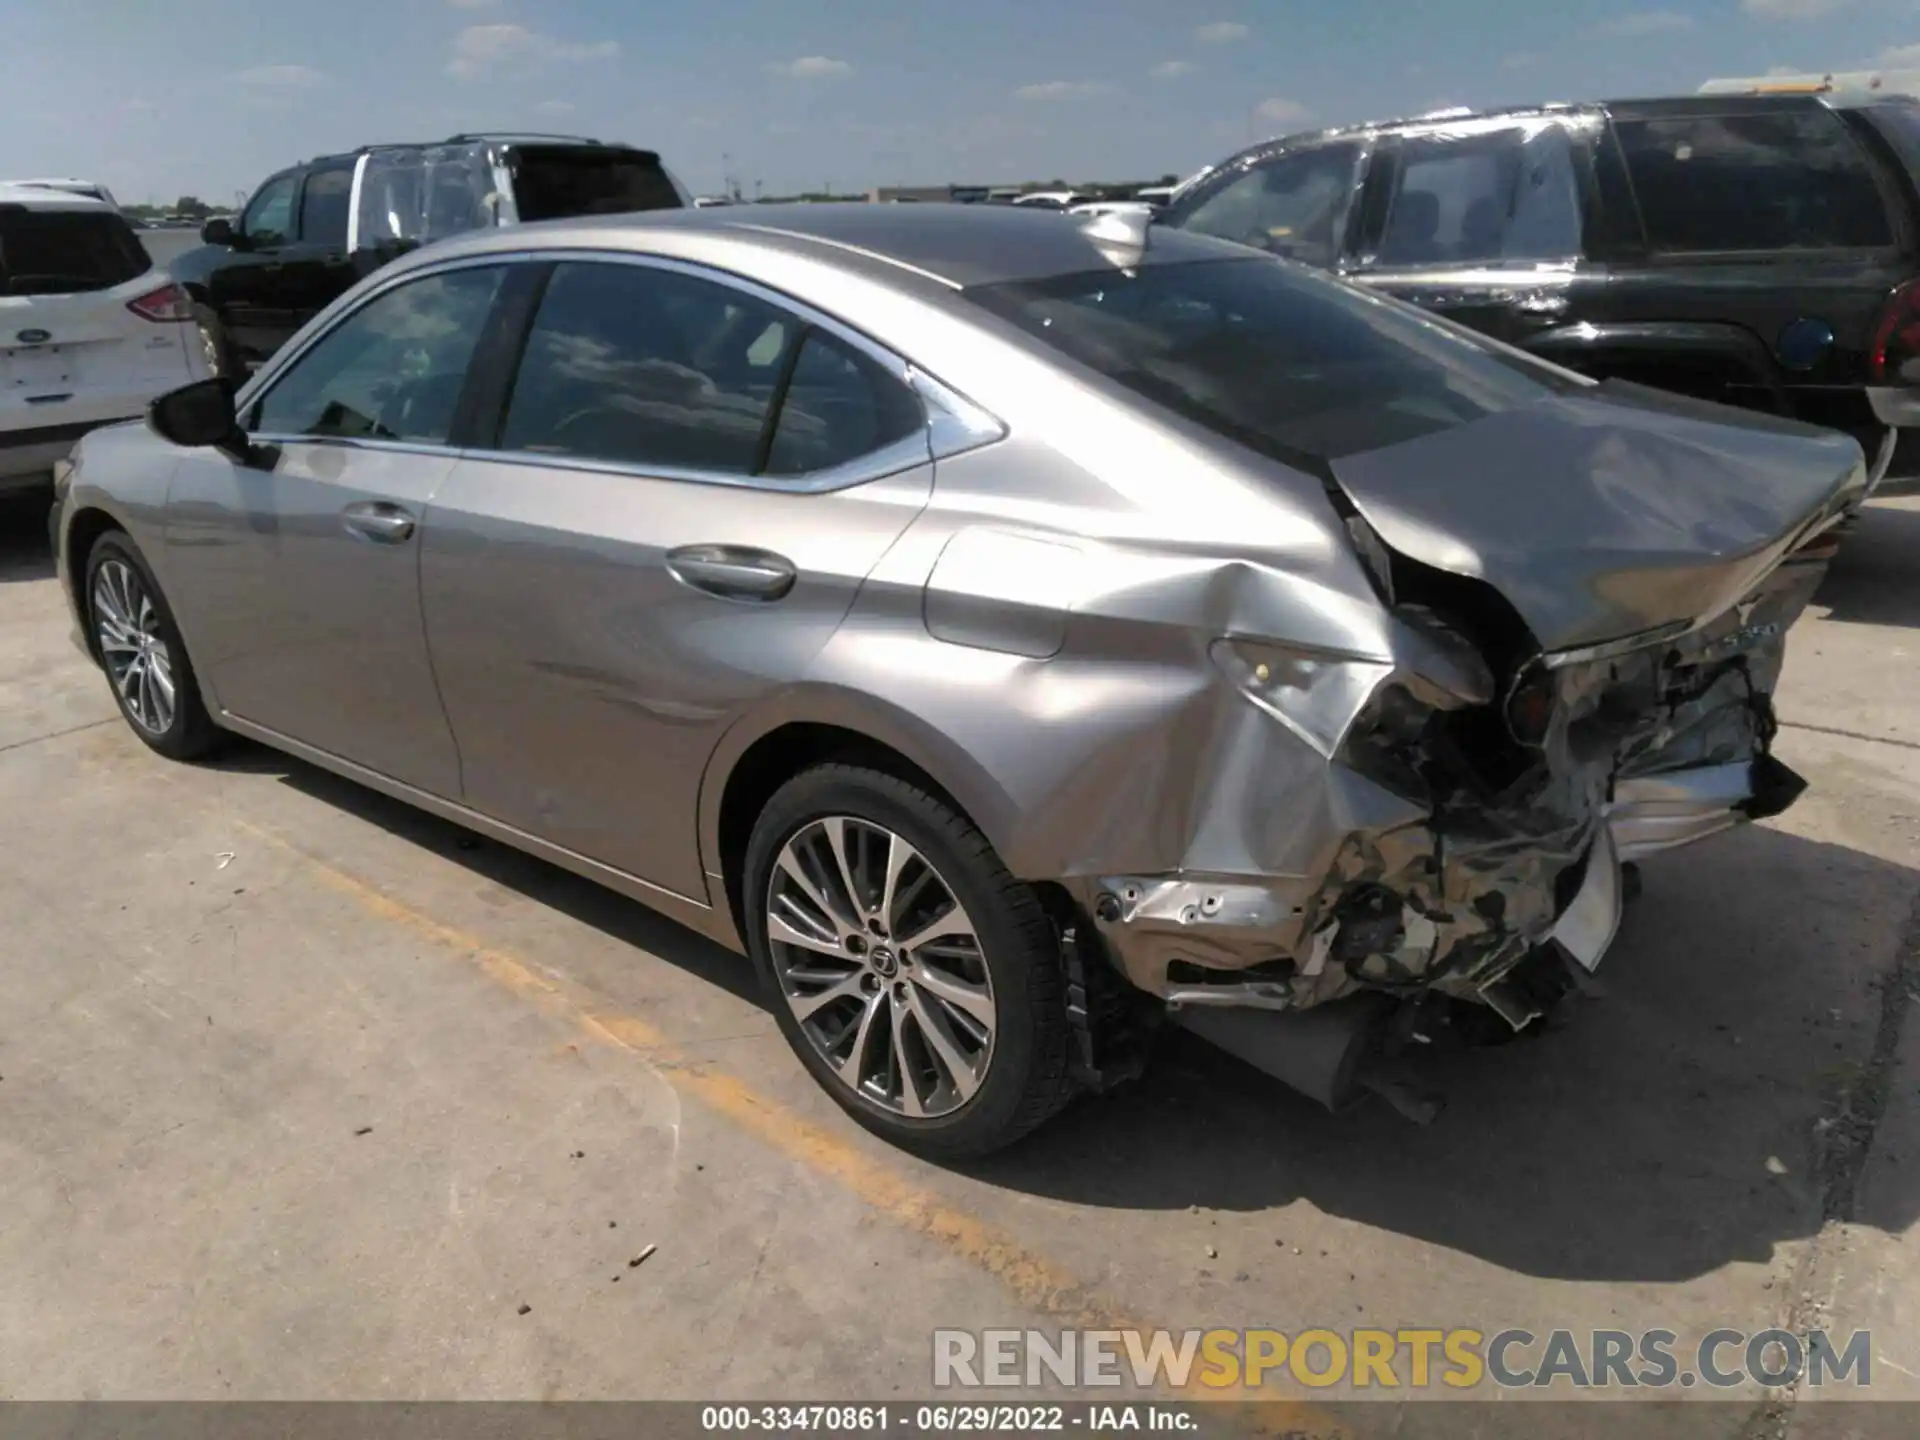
733,572
377,520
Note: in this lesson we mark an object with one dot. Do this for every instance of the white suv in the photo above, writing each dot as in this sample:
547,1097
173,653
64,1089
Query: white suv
90,329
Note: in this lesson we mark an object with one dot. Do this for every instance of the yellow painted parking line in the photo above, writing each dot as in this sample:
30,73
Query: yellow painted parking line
1032,1280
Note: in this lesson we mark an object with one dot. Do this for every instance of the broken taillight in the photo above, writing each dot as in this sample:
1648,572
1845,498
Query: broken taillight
167,305
1896,339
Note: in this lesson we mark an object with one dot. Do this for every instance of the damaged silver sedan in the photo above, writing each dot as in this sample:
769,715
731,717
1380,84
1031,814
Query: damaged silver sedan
1011,633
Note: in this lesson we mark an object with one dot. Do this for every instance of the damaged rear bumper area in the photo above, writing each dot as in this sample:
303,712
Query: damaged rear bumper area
1488,821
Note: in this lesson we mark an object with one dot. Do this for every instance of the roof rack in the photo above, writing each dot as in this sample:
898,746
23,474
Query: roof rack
468,136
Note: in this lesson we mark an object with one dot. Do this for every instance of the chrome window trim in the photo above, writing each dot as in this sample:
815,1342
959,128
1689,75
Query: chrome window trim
900,456
954,423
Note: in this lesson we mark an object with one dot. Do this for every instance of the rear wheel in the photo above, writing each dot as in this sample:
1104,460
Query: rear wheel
140,649
917,980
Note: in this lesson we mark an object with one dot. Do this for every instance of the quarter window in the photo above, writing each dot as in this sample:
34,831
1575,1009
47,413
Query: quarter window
1488,198
1294,205
392,370
1778,181
839,406
269,217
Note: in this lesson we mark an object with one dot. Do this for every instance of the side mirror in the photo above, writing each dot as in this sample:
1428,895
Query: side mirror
200,414
217,232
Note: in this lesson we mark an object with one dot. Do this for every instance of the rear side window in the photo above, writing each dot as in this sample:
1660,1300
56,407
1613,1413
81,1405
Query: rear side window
552,182
1494,197
60,252
839,406
650,368
1288,362
1293,205
323,206
1781,181
392,370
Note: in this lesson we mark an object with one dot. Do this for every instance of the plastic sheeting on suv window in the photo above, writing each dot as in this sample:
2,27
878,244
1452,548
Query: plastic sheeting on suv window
1482,195
411,195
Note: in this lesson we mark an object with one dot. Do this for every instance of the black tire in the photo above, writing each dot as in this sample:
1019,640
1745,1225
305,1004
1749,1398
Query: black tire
190,733
1027,1079
222,359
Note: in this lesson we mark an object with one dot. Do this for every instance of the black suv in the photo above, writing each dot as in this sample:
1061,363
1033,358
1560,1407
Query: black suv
313,229
1759,250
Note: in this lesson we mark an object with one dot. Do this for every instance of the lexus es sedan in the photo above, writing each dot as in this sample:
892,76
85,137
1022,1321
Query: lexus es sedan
1011,632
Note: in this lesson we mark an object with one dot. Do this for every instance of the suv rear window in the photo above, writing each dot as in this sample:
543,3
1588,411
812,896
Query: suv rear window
1282,359
551,182
58,252
1781,181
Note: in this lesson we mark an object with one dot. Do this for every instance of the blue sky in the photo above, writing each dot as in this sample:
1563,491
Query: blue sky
207,96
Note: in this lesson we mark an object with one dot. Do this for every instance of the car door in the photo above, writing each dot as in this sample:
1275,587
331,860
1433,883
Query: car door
297,574
246,288
680,498
1480,221
315,266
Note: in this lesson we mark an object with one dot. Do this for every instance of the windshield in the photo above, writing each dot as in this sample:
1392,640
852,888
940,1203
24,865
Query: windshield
1295,365
59,252
552,182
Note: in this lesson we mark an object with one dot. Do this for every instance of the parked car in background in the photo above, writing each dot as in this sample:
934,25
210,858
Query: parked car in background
313,229
999,626
1760,250
1051,199
90,189
90,330
1091,208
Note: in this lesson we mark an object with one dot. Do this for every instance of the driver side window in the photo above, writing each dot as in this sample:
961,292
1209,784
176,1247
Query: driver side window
269,217
392,370
1294,205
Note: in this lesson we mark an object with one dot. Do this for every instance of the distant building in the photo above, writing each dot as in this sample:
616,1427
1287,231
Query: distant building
929,194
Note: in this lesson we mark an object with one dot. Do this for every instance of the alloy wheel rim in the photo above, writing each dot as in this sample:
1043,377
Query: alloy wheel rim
127,624
880,964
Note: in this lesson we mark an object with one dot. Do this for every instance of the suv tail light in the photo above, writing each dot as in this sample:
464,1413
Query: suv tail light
167,304
1896,339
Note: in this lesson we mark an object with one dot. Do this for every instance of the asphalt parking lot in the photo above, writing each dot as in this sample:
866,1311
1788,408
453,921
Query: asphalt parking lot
306,1095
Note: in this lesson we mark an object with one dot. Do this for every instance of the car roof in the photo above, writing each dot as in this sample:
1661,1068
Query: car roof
957,246
35,195
1641,107
520,138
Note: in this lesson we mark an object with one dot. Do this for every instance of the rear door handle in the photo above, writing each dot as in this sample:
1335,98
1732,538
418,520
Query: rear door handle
733,572
377,520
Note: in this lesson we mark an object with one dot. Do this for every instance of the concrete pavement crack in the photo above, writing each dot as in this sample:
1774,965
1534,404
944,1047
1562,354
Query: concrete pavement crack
1846,1147
56,734
1850,734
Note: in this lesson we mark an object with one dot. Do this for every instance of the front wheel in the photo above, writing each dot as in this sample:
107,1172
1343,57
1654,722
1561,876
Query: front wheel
917,980
140,648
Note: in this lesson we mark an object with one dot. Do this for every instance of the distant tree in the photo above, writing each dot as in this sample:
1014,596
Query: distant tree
1169,179
192,205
